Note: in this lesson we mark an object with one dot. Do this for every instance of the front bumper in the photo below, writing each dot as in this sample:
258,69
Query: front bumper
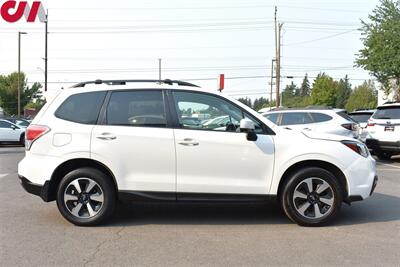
377,145
35,189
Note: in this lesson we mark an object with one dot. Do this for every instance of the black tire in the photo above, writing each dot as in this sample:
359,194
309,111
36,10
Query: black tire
22,139
291,205
383,155
106,187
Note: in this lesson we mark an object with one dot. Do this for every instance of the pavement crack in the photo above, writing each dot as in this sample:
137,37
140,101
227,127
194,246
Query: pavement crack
99,246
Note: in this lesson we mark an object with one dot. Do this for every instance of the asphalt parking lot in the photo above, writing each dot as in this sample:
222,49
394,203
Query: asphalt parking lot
33,233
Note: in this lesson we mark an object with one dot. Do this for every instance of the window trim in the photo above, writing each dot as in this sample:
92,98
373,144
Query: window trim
103,112
176,125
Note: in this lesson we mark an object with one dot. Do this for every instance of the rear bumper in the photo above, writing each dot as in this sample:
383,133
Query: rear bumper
35,189
375,144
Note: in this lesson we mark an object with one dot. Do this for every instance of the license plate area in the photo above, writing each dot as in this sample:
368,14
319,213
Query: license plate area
389,128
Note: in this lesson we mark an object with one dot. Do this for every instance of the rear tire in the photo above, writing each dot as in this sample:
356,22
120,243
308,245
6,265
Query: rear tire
22,140
311,197
383,155
86,197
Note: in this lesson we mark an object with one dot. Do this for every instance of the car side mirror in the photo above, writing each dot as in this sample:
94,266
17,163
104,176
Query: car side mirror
13,127
247,126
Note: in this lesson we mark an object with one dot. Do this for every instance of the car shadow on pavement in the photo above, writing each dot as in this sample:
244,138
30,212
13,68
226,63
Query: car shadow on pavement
378,208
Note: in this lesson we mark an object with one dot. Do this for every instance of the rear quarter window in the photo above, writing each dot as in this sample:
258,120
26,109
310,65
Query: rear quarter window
81,108
320,117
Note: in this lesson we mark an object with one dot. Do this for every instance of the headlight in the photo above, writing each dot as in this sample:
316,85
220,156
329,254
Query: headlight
357,147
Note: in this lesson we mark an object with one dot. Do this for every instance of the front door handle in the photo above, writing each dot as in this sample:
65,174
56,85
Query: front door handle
188,142
106,137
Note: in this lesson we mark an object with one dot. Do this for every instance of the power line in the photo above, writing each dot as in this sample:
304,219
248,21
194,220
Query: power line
321,38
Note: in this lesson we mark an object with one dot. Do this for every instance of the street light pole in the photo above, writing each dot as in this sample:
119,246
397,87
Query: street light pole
45,52
19,73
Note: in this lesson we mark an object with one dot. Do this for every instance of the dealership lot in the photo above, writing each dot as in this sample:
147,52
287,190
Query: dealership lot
34,233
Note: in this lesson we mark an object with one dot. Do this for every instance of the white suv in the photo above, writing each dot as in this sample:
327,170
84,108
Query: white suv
104,141
383,128
329,121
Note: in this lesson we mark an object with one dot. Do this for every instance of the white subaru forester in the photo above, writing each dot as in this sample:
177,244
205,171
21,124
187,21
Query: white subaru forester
104,141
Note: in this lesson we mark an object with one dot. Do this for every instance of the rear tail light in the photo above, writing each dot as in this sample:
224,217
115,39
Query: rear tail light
370,124
350,126
34,132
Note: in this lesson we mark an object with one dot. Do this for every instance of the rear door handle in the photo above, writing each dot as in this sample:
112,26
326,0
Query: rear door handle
106,137
188,142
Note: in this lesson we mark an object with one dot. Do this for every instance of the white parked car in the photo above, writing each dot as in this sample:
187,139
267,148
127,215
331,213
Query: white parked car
85,152
329,121
384,131
362,117
11,133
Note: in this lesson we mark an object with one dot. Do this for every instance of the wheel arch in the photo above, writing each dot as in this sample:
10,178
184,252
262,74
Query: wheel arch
71,165
319,164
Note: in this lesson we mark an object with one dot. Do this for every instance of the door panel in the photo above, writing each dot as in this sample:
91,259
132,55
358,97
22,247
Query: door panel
7,133
142,159
223,162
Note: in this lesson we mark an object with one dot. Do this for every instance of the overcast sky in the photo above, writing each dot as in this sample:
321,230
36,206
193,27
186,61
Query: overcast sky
196,40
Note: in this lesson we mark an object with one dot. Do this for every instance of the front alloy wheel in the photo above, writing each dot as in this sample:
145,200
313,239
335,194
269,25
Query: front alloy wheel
311,196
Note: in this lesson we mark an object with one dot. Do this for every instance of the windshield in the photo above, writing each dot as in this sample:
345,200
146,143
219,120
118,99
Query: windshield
360,118
387,113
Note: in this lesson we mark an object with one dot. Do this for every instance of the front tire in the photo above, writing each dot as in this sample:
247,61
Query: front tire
312,197
86,197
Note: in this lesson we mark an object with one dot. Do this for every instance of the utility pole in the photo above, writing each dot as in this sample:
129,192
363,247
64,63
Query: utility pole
272,82
159,70
19,73
278,28
278,66
45,51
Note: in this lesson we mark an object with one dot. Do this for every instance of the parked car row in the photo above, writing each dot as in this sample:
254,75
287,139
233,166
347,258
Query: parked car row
379,129
12,130
329,121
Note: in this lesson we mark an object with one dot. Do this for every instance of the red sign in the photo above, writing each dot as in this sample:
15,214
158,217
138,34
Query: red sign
12,11
221,82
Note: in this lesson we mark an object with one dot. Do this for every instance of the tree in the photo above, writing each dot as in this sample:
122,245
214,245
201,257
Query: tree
246,101
363,97
288,95
305,89
381,39
9,93
260,103
324,91
343,93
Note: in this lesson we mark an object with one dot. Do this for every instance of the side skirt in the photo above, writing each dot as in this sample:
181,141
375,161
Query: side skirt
190,197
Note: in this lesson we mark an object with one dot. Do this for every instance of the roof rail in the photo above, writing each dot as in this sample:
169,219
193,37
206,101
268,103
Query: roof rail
302,108
124,82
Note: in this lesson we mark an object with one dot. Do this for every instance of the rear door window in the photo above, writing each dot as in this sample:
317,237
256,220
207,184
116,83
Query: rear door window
81,108
136,108
294,118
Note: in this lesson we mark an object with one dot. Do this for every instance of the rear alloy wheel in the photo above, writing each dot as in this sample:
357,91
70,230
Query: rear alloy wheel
86,197
312,197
